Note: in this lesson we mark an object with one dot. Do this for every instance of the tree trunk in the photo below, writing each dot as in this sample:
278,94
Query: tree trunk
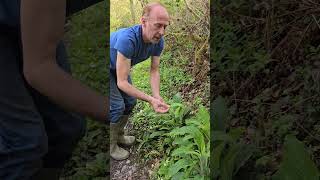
133,15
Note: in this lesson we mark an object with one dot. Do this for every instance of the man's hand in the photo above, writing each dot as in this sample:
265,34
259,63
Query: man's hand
159,98
159,106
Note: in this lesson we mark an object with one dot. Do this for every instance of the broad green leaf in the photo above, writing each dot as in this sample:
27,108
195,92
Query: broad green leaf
297,164
216,156
235,133
156,133
177,98
184,150
192,130
180,164
220,114
181,140
178,176
221,136
236,157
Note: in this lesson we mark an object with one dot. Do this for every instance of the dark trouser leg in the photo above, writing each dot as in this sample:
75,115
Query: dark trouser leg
120,102
23,140
34,133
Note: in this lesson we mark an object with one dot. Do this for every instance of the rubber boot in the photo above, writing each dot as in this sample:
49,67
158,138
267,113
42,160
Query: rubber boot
125,140
116,152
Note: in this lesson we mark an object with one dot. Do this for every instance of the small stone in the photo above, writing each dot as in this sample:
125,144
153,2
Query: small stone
150,172
123,169
134,168
128,161
117,172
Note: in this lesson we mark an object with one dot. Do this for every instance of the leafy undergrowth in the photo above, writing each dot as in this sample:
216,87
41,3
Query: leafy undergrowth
231,152
86,41
179,139
265,62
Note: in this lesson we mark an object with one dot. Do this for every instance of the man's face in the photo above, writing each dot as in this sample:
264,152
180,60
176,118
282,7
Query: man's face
155,25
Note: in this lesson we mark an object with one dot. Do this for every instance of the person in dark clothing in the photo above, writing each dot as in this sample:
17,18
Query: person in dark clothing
40,102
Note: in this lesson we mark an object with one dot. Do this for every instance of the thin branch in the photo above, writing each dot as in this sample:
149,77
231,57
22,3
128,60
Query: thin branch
191,10
304,33
314,137
316,20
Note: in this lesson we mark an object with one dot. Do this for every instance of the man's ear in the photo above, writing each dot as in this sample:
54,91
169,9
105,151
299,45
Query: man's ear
143,20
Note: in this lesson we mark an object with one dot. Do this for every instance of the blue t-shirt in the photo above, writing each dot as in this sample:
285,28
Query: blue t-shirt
129,42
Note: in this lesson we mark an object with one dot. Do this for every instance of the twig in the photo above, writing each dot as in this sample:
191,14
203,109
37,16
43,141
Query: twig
314,137
252,102
316,20
291,12
234,89
244,16
304,33
313,2
191,10
303,100
200,49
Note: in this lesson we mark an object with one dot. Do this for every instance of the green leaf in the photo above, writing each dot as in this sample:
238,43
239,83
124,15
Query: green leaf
181,140
221,136
216,154
177,98
181,164
220,114
296,164
235,158
192,130
184,150
156,133
235,133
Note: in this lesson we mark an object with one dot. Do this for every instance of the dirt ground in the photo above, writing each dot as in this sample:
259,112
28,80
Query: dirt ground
132,168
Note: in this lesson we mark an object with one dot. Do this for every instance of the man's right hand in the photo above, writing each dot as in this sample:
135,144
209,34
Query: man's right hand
158,106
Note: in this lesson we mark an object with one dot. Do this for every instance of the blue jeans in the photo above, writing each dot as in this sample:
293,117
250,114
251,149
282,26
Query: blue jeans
34,132
120,102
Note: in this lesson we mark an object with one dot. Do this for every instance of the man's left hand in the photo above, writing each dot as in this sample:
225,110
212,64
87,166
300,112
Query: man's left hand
160,99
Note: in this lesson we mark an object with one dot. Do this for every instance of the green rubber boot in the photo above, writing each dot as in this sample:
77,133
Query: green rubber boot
125,140
116,152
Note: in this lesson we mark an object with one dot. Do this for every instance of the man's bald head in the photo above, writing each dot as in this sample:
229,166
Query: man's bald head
154,20
154,8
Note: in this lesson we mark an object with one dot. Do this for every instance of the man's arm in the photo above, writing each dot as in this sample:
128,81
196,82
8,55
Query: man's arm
155,77
42,27
123,68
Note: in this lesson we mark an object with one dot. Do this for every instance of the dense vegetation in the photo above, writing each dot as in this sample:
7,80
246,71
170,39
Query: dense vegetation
176,143
265,64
